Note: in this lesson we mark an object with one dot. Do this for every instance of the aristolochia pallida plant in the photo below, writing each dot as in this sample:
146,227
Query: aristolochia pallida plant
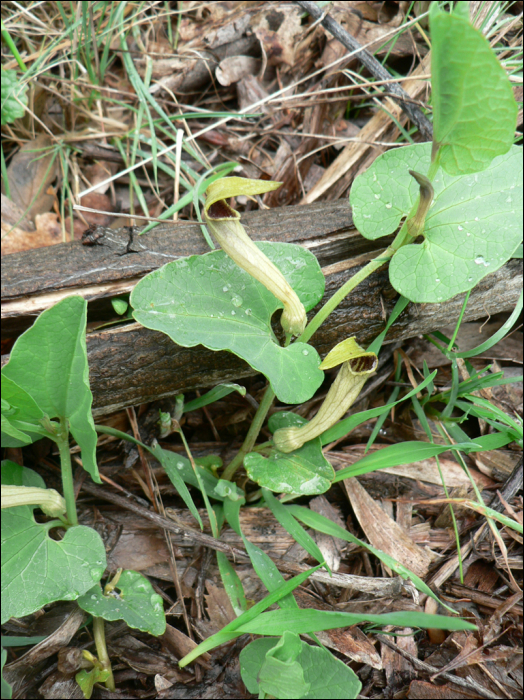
456,204
459,199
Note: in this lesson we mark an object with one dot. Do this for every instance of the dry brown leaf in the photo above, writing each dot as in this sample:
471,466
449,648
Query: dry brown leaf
278,27
97,172
331,547
219,606
234,68
30,173
48,232
94,200
14,216
383,532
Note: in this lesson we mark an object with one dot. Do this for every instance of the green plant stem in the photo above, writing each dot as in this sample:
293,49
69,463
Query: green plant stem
101,651
256,425
62,441
346,288
457,326
400,239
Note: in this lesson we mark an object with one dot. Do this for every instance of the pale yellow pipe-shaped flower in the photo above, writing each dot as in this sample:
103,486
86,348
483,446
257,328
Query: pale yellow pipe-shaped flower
357,367
49,500
224,224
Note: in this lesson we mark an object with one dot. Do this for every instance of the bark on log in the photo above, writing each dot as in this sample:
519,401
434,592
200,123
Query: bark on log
131,365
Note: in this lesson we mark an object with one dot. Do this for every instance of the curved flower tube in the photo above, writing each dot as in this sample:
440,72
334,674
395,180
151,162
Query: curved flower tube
357,367
49,500
224,224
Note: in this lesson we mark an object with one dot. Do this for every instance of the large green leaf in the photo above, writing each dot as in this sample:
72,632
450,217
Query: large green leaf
49,361
472,228
303,472
133,599
474,111
36,569
208,300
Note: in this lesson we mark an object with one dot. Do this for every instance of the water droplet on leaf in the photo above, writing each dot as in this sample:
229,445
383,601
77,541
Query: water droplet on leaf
236,300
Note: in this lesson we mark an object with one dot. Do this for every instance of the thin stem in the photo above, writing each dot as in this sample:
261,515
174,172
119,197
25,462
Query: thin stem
62,441
457,326
251,437
101,650
346,288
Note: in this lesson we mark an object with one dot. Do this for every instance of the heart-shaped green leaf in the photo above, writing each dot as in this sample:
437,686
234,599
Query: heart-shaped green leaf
133,600
208,300
327,676
49,361
36,569
303,472
472,228
474,111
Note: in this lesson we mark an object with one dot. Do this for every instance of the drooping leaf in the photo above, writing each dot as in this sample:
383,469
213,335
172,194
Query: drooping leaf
49,361
303,472
474,111
133,600
37,570
208,300
471,230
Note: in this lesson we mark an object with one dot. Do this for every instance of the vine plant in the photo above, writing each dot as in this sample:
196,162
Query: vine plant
458,202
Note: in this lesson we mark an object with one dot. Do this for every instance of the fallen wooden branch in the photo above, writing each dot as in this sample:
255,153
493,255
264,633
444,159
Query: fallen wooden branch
130,365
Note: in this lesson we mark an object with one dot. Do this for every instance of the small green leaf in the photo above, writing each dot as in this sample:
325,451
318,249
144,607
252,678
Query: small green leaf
37,570
49,362
87,679
119,305
471,230
303,472
19,413
13,93
474,111
179,467
133,600
209,300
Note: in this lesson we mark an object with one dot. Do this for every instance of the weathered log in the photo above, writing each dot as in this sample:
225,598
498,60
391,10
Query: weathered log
130,365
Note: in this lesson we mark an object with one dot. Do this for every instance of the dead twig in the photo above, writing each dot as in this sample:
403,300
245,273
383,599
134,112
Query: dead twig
374,67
